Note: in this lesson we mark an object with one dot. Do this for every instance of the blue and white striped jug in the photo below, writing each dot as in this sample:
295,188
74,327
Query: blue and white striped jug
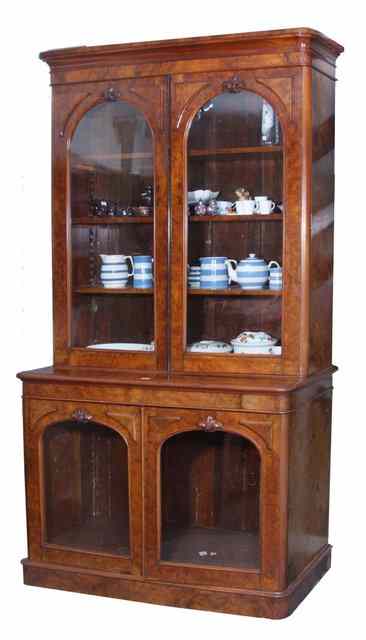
214,272
275,275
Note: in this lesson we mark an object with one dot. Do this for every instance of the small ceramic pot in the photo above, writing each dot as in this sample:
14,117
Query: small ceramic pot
194,275
143,272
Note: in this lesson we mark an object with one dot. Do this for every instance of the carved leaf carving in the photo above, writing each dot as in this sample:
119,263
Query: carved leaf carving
111,94
210,424
234,85
80,415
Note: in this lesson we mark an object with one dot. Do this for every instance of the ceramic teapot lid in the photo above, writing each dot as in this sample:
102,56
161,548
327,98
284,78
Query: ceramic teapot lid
253,258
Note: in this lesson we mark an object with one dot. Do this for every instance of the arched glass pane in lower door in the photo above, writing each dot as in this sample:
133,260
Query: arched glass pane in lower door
210,488
86,498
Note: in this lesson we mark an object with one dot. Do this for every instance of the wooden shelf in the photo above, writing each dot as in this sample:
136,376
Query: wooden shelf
230,548
235,291
230,151
91,220
254,217
99,290
111,156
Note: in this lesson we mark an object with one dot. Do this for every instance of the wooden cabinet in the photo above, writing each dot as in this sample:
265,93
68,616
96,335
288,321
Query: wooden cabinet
167,459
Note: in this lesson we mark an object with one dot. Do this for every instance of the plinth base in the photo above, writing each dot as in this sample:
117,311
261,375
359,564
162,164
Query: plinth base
262,604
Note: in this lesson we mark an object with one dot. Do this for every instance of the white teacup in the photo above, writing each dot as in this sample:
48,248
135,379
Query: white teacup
264,205
223,207
245,207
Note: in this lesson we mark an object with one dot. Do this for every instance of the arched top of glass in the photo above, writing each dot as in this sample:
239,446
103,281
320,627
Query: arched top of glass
110,133
233,120
214,436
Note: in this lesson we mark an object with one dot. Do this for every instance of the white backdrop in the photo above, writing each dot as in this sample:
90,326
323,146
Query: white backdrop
26,316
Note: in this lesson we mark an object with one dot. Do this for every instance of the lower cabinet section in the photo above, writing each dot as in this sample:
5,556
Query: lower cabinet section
190,500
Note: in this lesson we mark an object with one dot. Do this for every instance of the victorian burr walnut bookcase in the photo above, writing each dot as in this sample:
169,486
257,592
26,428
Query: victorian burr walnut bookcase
155,473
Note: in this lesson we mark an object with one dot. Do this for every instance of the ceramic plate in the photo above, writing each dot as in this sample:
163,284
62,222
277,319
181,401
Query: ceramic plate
123,346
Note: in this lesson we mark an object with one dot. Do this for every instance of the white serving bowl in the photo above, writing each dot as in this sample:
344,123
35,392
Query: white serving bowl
209,346
202,194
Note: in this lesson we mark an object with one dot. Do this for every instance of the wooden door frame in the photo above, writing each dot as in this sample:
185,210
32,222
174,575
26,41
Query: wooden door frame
263,432
282,88
149,96
126,421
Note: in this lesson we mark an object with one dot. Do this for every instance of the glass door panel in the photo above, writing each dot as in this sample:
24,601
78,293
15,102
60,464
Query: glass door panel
85,473
235,212
210,500
112,213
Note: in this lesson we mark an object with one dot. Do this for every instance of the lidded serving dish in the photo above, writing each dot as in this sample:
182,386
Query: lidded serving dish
254,342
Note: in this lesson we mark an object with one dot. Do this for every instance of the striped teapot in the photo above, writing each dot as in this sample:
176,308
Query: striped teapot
251,273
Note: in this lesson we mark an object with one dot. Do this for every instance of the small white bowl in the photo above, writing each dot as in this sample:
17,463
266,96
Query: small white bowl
202,194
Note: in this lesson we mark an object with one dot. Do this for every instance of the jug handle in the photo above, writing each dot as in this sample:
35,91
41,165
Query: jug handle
274,262
232,273
130,258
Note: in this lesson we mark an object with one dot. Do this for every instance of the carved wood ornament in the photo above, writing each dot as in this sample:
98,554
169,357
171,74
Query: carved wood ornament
80,415
111,95
210,424
234,85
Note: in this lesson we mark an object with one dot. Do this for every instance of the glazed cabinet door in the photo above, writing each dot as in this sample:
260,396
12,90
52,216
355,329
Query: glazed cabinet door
237,214
212,498
110,224
83,484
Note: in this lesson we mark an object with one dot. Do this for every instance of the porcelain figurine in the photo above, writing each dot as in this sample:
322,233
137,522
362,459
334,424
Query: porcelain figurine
242,194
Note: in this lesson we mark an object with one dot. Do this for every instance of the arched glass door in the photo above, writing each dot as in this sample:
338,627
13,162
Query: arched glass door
210,489
86,492
112,213
235,232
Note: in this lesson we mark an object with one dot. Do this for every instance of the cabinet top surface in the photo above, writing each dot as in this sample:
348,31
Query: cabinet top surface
251,383
200,46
